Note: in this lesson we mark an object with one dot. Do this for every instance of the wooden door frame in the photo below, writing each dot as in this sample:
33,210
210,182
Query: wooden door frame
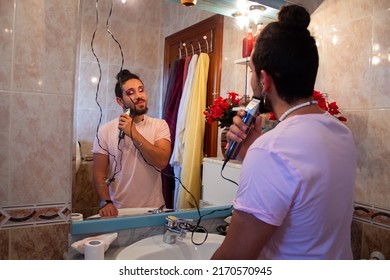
171,52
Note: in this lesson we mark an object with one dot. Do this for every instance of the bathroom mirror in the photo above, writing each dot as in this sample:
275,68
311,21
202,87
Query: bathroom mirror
134,26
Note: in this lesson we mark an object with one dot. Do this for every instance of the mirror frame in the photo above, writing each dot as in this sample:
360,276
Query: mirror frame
211,132
104,225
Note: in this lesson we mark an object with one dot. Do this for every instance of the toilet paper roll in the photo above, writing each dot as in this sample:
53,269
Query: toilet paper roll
94,250
76,217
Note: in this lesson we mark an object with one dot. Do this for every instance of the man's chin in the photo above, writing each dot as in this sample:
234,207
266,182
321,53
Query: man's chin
141,111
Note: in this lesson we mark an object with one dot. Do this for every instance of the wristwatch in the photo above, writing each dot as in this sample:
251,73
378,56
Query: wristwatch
107,201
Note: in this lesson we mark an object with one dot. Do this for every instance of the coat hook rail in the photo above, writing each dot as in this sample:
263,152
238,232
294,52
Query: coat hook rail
207,43
185,48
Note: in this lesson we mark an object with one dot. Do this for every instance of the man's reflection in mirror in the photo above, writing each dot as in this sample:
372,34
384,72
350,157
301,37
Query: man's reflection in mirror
129,151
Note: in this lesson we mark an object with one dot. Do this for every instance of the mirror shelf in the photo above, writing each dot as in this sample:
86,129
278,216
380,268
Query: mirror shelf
98,226
230,7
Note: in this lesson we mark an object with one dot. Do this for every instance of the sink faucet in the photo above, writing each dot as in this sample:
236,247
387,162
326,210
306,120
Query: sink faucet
172,229
159,210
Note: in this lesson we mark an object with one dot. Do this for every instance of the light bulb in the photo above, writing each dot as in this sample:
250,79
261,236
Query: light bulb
255,12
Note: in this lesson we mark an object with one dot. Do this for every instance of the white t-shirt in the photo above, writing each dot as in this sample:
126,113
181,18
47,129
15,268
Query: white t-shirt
137,184
300,177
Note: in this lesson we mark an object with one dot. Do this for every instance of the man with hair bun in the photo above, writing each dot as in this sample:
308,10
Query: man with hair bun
129,151
296,190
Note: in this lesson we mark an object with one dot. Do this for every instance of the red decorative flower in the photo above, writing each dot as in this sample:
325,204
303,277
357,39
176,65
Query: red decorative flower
222,110
331,107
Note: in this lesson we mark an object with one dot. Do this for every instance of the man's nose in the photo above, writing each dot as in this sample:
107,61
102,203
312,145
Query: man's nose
136,95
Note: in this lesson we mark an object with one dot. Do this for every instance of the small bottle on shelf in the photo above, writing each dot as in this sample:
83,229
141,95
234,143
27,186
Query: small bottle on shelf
247,44
259,28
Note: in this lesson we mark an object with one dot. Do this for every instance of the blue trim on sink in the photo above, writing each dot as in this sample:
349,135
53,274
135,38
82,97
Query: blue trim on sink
105,225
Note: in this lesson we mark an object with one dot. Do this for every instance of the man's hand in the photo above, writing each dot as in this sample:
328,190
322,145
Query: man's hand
237,132
108,210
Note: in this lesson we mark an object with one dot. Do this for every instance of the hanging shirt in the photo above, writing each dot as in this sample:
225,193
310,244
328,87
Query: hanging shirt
194,136
171,80
172,106
178,149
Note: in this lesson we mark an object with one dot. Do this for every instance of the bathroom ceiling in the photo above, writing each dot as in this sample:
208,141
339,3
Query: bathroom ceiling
228,7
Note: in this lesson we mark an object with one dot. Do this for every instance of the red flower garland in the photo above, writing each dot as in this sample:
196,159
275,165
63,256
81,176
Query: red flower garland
331,107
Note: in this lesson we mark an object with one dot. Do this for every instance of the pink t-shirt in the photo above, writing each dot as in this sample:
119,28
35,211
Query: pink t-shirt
300,177
137,184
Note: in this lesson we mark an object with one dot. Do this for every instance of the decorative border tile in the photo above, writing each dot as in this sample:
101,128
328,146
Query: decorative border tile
27,215
58,213
372,215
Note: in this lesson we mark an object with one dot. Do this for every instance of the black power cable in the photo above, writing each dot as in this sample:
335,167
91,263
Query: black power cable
191,228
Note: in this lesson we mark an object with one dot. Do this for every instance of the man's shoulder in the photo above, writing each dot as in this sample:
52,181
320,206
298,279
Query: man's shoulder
155,120
159,126
110,123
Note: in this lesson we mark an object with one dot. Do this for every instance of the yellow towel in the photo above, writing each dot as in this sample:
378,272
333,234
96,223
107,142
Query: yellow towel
193,136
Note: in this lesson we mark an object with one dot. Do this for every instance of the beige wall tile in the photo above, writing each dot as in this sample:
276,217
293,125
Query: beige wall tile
356,239
380,60
5,115
41,159
85,199
378,178
6,36
375,239
39,243
88,82
358,122
351,34
4,242
346,72
94,33
47,62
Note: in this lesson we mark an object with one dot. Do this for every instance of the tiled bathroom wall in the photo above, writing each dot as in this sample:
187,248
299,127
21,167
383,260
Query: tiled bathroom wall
42,41
38,42
354,49
85,200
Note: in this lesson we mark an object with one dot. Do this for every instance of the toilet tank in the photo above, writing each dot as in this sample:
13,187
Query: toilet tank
216,190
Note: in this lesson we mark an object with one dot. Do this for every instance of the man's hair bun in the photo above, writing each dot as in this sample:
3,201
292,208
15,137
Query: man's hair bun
294,17
122,74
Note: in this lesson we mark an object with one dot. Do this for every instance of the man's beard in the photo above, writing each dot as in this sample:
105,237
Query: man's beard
136,111
268,105
141,111
265,107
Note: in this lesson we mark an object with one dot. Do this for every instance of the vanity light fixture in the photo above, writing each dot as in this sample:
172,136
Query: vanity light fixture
242,19
188,3
253,12
237,14
260,8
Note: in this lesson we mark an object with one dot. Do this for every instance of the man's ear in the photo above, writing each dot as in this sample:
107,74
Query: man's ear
120,102
265,80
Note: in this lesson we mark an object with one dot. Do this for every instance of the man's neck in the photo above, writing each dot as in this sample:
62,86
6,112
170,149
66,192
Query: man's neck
139,118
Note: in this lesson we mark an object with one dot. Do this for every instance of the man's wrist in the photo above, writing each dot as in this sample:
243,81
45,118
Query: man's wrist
139,145
107,201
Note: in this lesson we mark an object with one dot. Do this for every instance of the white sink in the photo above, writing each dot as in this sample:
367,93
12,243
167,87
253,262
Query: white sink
153,248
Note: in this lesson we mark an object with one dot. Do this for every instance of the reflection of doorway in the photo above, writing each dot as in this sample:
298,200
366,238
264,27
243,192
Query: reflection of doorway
194,34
